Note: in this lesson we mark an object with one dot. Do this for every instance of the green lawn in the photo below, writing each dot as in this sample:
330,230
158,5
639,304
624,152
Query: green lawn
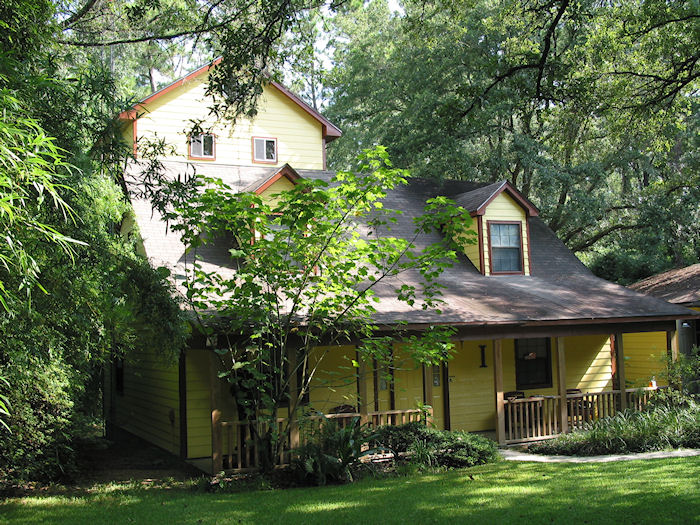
652,491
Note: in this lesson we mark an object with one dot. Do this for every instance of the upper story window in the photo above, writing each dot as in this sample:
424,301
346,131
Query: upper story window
265,150
506,247
203,146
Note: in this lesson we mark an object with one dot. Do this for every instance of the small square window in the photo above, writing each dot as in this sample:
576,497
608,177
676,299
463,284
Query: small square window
506,247
264,150
202,146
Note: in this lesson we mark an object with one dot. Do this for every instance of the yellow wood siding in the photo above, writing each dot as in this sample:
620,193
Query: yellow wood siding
470,243
645,357
269,196
408,381
335,381
588,363
149,407
472,397
504,208
198,404
299,136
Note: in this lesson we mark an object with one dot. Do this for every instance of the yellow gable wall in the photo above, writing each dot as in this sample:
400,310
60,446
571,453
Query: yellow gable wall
504,208
299,136
270,194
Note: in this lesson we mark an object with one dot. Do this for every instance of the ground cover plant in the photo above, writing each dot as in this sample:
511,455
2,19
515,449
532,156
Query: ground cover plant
504,492
671,420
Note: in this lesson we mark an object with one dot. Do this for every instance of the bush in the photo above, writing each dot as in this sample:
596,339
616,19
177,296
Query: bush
430,447
38,444
670,420
331,451
400,438
461,449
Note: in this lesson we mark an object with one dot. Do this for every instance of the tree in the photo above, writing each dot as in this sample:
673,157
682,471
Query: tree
305,269
553,96
59,202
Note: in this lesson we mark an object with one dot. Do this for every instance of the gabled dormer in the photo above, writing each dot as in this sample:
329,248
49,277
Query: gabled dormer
269,186
500,229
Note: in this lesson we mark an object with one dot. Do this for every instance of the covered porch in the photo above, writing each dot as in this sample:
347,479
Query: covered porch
531,415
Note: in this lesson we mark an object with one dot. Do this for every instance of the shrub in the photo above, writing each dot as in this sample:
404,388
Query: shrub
430,447
400,438
331,451
461,449
669,421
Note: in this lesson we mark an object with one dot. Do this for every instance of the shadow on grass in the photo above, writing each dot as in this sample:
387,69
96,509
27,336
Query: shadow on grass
653,491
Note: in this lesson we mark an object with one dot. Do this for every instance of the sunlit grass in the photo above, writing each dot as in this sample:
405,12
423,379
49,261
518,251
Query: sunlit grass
652,491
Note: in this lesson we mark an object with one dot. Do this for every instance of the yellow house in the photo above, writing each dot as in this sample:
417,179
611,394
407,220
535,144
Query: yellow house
541,344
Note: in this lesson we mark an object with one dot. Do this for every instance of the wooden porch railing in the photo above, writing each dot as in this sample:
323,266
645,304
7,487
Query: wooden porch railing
240,448
536,418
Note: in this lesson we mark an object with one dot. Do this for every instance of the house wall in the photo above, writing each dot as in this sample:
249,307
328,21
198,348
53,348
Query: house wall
335,382
299,136
471,390
198,403
149,406
504,208
645,357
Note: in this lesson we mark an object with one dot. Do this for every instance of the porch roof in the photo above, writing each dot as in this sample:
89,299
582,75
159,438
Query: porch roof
679,286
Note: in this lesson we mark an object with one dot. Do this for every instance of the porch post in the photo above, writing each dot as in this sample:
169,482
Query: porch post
498,387
363,398
292,363
561,376
673,348
620,366
428,391
673,342
215,397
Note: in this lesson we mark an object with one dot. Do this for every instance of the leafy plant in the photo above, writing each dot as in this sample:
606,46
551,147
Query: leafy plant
332,450
429,447
671,420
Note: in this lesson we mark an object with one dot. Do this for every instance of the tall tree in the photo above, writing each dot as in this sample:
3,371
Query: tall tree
554,96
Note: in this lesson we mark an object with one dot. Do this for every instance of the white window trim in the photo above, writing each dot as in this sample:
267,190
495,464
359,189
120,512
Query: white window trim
265,160
201,155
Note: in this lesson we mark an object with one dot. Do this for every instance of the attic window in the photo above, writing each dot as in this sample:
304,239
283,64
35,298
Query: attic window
264,150
202,146
506,247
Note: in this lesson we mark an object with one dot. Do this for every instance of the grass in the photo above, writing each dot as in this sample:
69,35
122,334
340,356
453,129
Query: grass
651,491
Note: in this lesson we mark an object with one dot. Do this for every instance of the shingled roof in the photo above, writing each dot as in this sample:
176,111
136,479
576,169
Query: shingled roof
679,286
559,291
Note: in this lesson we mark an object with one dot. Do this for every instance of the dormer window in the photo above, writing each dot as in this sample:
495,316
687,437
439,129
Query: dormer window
506,247
265,150
202,146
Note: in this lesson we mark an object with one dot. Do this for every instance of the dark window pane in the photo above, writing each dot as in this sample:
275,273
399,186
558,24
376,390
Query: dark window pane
208,147
533,363
270,153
